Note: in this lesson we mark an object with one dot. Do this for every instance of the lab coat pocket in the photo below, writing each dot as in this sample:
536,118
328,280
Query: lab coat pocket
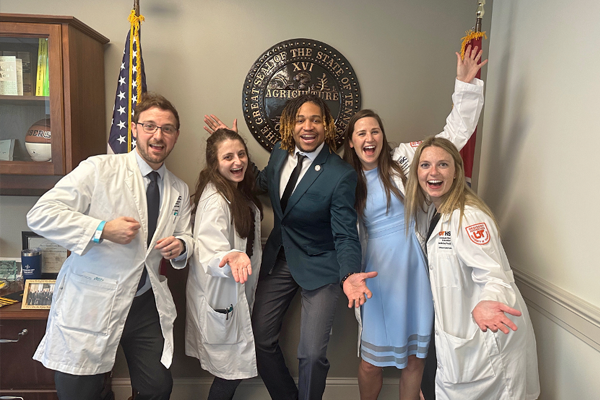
88,302
465,360
447,272
219,327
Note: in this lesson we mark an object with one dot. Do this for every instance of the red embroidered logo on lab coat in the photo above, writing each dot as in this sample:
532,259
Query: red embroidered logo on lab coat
415,144
478,233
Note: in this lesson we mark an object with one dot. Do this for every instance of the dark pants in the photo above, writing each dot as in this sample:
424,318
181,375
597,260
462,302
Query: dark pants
273,297
142,343
428,381
223,389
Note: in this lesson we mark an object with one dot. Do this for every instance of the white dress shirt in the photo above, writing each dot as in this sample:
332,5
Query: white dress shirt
291,162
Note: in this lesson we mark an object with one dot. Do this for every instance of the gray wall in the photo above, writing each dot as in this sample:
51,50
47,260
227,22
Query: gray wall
539,162
197,53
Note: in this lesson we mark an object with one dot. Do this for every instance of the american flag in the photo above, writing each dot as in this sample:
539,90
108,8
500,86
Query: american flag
131,85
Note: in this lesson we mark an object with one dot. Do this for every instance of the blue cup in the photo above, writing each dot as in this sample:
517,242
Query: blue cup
31,264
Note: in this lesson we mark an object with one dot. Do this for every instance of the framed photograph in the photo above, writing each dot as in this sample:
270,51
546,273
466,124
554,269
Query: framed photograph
10,268
37,294
53,255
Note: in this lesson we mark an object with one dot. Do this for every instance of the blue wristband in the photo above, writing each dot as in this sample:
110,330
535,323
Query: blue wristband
98,233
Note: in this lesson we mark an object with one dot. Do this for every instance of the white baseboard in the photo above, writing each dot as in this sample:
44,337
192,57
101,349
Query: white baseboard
577,316
254,389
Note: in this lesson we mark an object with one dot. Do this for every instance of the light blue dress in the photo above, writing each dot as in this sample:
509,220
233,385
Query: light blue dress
397,320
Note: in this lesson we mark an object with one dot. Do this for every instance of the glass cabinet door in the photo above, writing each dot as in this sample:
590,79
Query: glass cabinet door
31,121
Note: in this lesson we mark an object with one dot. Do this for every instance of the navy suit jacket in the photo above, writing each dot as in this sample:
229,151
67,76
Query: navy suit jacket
318,228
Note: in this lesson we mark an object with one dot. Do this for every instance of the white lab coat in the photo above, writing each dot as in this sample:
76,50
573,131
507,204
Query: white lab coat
466,266
98,281
224,343
460,125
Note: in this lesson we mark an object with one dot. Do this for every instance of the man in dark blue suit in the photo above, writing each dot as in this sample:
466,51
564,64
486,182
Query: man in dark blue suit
313,246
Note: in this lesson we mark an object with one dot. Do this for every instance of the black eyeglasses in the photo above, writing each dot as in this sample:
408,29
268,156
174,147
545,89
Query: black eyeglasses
150,127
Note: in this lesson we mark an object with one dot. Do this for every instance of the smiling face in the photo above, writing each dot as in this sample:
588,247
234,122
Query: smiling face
233,160
436,173
367,142
309,131
155,147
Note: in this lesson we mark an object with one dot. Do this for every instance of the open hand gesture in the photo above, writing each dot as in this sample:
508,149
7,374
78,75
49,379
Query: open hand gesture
213,123
467,68
490,314
240,265
355,288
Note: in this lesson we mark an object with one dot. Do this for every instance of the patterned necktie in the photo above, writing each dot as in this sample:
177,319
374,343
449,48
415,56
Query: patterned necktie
153,201
289,188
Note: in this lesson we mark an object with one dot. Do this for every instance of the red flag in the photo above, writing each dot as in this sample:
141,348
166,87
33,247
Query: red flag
468,152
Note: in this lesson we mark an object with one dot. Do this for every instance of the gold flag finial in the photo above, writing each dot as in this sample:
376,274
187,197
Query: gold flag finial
480,12
474,33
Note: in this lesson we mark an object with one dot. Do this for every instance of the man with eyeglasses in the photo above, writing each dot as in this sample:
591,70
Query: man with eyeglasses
119,215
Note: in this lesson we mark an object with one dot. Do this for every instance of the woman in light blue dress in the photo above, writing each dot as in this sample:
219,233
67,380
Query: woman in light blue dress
397,320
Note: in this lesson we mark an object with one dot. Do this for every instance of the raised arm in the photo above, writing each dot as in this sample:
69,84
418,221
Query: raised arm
467,102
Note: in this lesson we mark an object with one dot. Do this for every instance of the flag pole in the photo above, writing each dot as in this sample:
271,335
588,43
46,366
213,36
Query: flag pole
472,38
130,87
480,13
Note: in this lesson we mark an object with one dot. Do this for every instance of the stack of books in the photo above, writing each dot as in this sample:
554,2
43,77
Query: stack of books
17,73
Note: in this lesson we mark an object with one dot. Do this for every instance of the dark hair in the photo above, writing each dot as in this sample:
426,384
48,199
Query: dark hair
288,121
386,166
239,197
151,99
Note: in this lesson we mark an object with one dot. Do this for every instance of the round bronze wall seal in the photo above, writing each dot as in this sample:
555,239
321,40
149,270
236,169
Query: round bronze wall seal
290,69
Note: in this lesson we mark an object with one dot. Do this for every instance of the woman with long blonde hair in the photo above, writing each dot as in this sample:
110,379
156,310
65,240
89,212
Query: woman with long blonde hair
473,287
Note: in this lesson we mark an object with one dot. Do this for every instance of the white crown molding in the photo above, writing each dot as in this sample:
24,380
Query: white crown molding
577,316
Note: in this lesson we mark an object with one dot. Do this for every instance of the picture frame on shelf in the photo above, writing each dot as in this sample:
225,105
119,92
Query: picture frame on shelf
7,149
10,268
53,255
37,294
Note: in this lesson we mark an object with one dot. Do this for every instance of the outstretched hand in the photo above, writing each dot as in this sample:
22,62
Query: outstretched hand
467,68
490,314
240,265
213,123
355,288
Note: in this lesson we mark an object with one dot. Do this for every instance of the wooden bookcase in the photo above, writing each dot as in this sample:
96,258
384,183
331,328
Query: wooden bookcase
75,105
22,376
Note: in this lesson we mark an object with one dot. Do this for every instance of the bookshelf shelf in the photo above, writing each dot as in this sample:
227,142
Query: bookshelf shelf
4,99
73,56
